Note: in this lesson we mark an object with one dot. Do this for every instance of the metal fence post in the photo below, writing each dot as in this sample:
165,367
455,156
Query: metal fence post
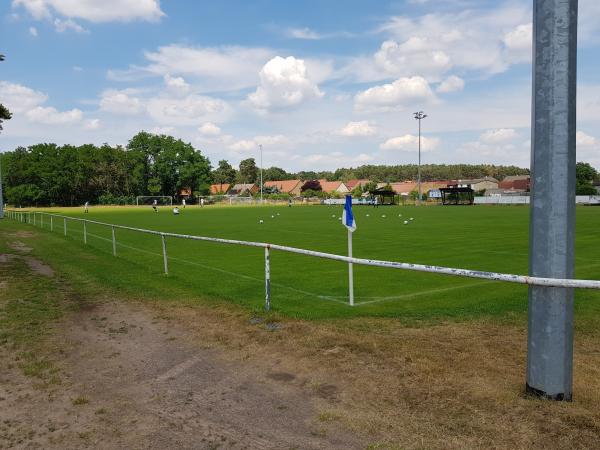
51,223
114,242
41,220
65,226
164,250
34,224
84,232
267,279
552,224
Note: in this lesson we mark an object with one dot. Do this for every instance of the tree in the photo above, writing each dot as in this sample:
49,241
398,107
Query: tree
585,175
276,174
248,171
224,174
4,114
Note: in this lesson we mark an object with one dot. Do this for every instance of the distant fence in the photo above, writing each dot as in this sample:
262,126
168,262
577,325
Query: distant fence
37,218
524,200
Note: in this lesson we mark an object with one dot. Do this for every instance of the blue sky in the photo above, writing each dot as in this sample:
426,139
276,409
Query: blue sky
320,84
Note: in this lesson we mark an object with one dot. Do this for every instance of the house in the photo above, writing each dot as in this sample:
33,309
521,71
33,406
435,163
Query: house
219,189
243,189
334,186
352,184
479,184
185,192
291,187
516,183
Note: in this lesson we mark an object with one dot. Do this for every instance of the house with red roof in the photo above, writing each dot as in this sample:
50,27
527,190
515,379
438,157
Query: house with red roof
219,189
291,187
334,186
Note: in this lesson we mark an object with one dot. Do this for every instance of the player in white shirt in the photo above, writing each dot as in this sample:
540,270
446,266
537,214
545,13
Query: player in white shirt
154,205
85,207
176,211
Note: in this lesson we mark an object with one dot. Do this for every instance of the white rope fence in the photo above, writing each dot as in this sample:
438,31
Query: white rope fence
31,217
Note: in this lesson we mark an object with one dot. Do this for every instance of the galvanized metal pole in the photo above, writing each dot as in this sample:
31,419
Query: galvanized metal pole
164,250
267,279
114,241
84,232
552,224
41,220
65,226
51,223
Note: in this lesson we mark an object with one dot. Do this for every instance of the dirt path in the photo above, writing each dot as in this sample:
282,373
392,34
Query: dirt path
134,380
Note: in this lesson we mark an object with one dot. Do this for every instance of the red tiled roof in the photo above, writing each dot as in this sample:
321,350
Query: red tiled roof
284,186
216,188
351,184
330,186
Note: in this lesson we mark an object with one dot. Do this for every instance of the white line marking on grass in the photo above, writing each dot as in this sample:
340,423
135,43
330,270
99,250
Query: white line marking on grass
417,294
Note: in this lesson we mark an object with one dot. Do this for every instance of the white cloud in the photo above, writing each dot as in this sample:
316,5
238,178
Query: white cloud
402,92
585,140
121,102
272,140
518,43
451,84
33,31
498,136
416,56
269,142
588,149
51,116
478,39
302,33
19,98
162,130
209,129
361,128
284,83
176,84
92,124
410,143
63,25
211,68
243,145
94,10
189,110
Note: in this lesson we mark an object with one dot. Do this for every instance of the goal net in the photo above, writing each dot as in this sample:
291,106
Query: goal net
161,200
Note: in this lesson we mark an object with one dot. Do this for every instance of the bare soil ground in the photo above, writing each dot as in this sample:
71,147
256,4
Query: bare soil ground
133,374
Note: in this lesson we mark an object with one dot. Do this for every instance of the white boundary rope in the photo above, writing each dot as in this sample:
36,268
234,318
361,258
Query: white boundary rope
25,216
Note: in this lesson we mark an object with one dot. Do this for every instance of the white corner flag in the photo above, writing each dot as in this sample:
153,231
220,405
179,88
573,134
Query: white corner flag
350,224
347,216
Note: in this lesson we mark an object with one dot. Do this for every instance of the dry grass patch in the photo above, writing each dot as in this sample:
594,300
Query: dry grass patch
452,385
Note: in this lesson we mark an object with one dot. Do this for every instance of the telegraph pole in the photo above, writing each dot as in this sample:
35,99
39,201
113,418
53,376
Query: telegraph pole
552,212
419,116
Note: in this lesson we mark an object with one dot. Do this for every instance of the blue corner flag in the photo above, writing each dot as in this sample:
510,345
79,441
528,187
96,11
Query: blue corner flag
347,216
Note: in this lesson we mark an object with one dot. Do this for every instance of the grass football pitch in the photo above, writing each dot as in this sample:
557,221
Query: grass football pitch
491,238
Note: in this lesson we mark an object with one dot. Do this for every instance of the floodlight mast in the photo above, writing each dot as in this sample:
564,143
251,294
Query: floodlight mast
261,173
419,116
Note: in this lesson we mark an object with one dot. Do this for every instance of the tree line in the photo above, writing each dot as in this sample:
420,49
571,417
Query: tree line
67,175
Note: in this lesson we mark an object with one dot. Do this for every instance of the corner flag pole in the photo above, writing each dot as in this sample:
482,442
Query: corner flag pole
350,271
350,224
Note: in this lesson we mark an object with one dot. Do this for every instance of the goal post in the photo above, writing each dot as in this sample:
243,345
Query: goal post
146,200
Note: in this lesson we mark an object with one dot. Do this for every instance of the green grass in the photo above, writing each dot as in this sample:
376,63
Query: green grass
484,238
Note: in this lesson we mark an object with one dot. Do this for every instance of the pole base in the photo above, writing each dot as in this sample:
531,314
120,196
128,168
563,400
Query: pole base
533,392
